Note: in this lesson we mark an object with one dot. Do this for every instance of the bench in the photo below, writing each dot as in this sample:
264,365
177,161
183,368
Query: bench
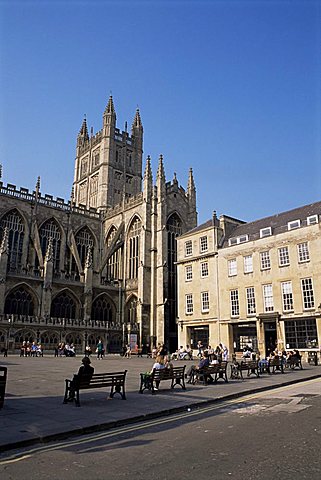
152,380
294,362
114,380
275,365
212,373
251,367
3,381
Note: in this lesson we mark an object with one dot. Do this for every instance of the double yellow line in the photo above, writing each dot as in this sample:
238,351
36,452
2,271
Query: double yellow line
95,437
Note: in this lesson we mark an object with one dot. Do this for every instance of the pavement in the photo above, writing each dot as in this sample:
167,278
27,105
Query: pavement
33,411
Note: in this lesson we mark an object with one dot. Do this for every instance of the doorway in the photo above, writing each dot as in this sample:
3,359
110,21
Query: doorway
270,337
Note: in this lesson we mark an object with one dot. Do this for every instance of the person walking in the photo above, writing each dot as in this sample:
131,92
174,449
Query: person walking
100,350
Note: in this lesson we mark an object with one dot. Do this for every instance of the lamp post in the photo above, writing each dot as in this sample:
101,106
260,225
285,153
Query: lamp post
10,323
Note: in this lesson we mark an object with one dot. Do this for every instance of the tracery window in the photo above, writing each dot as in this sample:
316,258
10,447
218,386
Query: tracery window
174,229
131,310
84,239
63,306
113,263
102,310
133,247
49,230
14,222
19,302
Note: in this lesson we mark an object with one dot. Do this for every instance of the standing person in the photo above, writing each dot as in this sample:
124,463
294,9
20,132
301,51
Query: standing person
128,352
200,348
100,350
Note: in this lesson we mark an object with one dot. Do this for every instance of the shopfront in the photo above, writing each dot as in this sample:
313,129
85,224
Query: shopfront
244,335
199,334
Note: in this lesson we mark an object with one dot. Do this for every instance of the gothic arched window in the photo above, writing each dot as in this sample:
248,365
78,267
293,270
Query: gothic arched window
131,310
14,222
84,240
133,247
63,306
19,302
48,230
174,229
102,310
114,261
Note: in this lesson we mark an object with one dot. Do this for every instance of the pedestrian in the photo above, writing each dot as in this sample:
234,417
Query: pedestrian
100,350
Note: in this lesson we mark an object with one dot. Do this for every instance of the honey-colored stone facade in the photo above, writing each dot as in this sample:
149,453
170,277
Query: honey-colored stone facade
102,264
263,283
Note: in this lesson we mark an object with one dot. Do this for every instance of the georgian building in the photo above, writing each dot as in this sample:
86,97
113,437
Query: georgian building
256,283
101,265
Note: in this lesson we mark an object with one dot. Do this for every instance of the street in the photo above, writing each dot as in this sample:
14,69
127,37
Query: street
274,434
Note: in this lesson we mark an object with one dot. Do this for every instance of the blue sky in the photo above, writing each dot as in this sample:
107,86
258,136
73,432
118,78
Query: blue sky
229,88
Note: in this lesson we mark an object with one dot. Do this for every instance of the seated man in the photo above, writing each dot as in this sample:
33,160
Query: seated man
85,372
192,371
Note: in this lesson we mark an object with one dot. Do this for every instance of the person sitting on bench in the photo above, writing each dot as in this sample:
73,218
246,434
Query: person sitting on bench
192,371
85,373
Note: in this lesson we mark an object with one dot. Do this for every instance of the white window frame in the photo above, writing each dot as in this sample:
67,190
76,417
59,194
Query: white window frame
284,257
250,301
205,302
307,293
188,248
303,252
287,296
265,260
189,308
294,224
312,219
234,303
204,269
188,273
243,238
268,297
265,232
248,263
203,244
236,240
232,241
232,267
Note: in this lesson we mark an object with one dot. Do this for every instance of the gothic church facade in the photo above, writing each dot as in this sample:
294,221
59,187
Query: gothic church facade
101,265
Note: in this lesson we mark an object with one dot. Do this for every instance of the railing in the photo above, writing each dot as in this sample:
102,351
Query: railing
17,321
46,200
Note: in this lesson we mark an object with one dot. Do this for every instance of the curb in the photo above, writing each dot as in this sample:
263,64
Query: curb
149,416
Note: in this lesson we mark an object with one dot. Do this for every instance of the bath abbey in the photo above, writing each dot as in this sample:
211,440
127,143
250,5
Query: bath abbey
101,265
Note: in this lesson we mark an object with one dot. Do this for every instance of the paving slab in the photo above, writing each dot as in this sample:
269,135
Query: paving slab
33,410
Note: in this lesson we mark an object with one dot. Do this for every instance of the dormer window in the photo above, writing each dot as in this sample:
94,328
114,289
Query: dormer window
312,220
265,232
294,224
237,240
243,238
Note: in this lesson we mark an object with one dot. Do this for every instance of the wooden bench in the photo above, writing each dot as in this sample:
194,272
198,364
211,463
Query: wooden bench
251,367
3,381
275,365
114,380
212,373
294,362
152,380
